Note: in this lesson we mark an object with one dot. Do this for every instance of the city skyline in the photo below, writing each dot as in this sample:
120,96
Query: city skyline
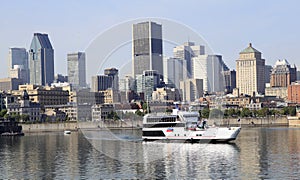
271,33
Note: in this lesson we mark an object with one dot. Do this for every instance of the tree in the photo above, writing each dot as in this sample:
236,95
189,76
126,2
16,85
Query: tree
216,113
139,113
24,117
245,112
3,112
204,113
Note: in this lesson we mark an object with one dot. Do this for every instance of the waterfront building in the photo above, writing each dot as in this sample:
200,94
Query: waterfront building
283,74
250,72
230,80
114,73
18,64
41,60
7,84
191,89
187,51
294,92
174,71
101,111
74,112
45,95
147,48
27,110
76,69
209,68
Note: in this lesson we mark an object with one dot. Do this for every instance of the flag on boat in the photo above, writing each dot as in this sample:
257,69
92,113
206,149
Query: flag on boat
170,130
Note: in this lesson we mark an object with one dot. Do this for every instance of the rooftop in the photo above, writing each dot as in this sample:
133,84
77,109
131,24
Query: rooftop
249,49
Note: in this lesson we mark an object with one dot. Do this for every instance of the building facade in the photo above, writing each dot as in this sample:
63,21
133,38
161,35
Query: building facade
230,80
101,82
114,73
209,68
250,72
41,60
76,69
294,92
7,84
18,64
191,89
147,48
283,74
44,95
186,52
147,83
174,71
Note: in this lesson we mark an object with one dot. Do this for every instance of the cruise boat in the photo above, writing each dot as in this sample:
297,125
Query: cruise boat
185,126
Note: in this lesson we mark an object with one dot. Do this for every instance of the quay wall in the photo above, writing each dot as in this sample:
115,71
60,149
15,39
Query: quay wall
74,126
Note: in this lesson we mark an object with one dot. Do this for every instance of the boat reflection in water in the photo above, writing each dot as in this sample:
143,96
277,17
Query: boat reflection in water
126,146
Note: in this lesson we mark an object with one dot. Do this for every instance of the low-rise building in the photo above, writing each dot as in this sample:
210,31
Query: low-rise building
27,110
44,95
101,111
279,92
166,94
7,84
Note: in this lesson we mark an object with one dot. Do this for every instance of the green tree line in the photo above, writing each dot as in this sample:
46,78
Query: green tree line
245,112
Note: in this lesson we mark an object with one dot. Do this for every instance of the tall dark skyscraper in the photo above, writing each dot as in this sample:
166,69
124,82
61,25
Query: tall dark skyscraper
77,69
41,60
147,50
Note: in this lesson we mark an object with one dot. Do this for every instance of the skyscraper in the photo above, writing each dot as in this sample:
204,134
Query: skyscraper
209,68
230,80
147,51
186,52
76,69
101,83
114,73
18,64
174,71
250,72
41,60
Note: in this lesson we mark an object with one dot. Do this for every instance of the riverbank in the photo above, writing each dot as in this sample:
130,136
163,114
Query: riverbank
128,124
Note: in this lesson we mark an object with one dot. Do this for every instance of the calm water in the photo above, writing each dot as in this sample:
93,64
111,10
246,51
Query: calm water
272,153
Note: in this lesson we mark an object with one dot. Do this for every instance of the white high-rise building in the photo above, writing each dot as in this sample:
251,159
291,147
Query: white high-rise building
174,71
187,51
209,68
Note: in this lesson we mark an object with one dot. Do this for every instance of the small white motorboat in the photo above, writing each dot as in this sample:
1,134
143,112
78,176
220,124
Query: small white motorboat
67,132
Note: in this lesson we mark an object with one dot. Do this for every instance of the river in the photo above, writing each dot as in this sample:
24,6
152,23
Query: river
258,153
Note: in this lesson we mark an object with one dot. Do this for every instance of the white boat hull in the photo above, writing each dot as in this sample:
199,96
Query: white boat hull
214,134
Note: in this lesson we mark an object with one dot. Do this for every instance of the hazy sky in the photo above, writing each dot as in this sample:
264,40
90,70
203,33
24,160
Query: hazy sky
228,26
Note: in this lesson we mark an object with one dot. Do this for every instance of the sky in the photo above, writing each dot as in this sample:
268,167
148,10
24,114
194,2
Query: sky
228,26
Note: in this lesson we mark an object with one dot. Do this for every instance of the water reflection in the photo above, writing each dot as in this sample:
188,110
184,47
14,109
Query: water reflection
258,153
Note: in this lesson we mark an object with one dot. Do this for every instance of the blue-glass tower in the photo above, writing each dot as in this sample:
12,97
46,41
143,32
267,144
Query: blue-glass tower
41,60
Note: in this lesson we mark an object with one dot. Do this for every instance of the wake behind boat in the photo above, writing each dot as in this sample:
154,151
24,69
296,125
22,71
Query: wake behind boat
184,126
